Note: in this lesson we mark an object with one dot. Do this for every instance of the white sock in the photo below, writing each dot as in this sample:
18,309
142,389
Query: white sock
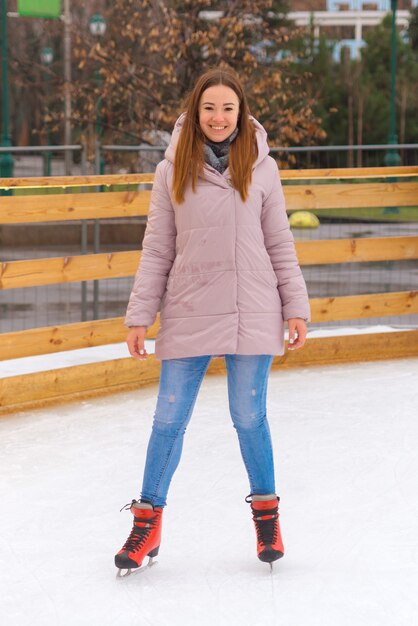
142,505
270,496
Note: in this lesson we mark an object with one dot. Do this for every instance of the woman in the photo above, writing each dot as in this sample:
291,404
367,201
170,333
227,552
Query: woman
219,262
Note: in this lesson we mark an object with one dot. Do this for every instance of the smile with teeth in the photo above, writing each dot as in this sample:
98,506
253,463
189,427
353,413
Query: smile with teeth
218,127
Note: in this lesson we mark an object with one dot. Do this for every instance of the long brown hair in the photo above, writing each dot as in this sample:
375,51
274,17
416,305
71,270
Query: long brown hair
189,158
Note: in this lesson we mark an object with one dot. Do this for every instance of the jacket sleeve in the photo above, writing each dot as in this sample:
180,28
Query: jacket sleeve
158,254
279,243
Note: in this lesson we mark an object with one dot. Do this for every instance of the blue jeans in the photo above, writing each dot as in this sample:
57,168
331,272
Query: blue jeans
180,381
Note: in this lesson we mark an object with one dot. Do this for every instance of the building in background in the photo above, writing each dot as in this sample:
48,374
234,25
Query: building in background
346,21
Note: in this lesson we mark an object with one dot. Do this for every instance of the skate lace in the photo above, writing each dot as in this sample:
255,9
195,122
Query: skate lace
266,529
139,534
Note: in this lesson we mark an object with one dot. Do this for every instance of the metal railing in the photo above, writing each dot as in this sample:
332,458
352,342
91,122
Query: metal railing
46,153
368,155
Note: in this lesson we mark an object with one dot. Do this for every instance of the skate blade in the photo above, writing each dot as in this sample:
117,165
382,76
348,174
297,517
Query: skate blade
136,570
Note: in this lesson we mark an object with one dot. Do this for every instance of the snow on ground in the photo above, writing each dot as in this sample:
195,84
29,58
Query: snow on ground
345,440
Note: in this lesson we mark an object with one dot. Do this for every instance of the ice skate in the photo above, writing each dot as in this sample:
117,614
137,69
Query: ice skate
265,511
143,541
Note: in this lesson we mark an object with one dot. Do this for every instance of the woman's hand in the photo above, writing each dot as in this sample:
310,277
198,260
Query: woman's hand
297,333
135,341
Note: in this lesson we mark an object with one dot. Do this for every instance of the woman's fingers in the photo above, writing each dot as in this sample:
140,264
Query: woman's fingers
142,354
297,333
133,348
296,344
135,342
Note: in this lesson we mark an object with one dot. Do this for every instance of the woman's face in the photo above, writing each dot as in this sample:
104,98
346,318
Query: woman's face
218,112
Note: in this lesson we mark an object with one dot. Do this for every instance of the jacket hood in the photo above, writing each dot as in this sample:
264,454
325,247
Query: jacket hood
261,136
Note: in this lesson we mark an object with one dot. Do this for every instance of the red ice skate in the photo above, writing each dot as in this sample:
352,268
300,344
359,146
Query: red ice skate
266,522
144,539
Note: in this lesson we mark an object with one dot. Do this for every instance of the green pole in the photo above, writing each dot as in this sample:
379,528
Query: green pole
99,126
392,157
97,25
47,57
6,159
48,136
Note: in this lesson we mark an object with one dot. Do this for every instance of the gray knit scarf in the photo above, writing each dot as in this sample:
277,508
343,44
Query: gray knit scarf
216,152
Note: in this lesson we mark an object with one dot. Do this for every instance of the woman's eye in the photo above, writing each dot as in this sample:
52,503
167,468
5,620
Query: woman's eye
210,109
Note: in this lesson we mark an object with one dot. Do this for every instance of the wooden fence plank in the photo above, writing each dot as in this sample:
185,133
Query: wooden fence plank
350,196
75,379
52,339
364,306
352,348
37,182
132,179
122,204
77,206
328,251
349,172
36,272
66,384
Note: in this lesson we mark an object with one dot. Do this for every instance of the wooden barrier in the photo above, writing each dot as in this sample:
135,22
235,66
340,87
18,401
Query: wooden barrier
74,382
41,389
79,206
107,180
52,339
342,196
44,182
67,269
36,272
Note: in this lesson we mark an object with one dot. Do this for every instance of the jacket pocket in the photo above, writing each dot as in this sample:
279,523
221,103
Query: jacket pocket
270,277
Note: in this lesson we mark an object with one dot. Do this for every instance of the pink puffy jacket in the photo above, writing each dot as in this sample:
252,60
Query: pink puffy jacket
222,272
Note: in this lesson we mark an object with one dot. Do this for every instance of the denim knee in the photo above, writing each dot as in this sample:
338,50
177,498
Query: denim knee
249,421
168,427
170,415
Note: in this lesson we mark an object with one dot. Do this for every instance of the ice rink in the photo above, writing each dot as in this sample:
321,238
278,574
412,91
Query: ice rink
345,441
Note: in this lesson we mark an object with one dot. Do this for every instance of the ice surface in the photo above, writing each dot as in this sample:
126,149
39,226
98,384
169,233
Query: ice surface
345,443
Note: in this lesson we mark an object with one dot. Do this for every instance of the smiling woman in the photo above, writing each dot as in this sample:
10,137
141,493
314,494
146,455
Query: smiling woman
219,262
218,112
